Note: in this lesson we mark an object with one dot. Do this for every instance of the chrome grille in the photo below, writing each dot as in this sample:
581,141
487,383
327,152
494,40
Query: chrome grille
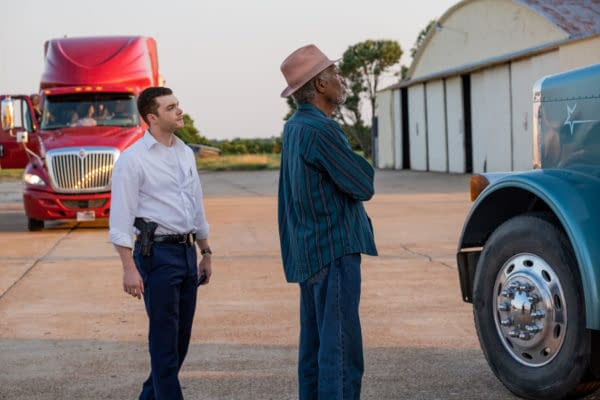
80,170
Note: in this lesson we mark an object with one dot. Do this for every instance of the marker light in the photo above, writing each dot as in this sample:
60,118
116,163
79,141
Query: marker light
477,184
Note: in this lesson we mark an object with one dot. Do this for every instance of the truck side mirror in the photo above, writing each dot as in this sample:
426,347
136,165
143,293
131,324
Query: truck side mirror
8,114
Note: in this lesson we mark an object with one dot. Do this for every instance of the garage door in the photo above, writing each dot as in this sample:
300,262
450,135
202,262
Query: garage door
385,129
436,126
417,128
456,125
491,122
397,116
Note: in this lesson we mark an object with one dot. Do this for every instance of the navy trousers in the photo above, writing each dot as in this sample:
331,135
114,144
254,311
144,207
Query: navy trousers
170,276
330,360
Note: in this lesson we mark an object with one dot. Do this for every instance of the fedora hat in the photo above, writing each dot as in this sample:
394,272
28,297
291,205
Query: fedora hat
303,65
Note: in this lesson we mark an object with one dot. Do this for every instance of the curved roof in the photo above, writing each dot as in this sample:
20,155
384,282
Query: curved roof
577,18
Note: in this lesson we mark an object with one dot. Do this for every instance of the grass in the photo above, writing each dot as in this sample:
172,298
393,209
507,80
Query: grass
239,162
234,162
16,173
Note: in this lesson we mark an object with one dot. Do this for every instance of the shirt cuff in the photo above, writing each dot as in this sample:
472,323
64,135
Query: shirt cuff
121,239
202,232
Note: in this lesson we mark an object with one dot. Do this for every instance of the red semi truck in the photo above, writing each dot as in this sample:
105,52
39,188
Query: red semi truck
88,90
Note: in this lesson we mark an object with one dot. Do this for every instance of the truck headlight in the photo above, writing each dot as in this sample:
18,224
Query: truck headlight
34,180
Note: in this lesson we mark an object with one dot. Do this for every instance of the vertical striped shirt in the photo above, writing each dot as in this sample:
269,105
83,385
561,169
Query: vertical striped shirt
322,184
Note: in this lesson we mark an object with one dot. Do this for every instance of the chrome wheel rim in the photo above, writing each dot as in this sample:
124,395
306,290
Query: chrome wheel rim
529,310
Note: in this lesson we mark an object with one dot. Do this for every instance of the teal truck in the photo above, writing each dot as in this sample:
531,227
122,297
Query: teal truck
529,253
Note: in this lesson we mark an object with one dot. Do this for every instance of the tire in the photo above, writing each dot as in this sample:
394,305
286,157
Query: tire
529,310
34,225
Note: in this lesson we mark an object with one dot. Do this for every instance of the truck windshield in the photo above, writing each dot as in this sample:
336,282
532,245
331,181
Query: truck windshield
89,109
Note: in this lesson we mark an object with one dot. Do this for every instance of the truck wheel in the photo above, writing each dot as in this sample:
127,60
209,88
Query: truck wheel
529,310
34,224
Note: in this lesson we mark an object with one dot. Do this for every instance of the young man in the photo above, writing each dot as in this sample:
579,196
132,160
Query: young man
323,228
155,186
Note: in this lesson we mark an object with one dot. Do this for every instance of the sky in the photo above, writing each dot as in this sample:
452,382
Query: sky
220,57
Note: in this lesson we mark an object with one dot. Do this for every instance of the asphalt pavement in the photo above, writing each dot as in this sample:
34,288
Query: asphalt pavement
67,330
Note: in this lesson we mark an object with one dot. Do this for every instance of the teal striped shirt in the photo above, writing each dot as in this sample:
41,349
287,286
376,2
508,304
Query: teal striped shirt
322,184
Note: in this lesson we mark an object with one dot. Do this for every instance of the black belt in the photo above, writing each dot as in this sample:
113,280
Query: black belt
187,238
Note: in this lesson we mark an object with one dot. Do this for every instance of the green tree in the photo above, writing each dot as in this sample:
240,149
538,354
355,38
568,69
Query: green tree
292,105
421,38
189,133
362,67
403,72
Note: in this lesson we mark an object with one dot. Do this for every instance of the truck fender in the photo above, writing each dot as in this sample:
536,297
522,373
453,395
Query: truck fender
569,196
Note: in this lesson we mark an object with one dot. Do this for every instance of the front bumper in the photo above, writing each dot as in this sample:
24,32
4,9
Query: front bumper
43,205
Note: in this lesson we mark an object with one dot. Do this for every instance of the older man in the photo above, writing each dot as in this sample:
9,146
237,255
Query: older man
323,228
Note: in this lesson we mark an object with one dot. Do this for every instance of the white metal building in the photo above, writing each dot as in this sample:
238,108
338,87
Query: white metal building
466,106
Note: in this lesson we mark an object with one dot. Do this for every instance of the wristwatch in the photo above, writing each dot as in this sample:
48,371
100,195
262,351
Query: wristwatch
205,250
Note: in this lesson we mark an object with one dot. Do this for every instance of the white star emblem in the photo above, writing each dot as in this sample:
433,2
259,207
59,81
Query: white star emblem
571,122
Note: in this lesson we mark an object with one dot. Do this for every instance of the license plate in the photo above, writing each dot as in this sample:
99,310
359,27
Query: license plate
86,216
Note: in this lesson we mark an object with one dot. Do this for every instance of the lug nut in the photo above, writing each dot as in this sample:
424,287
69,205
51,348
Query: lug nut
514,285
525,288
506,322
503,307
524,336
533,298
532,328
507,293
538,314
513,333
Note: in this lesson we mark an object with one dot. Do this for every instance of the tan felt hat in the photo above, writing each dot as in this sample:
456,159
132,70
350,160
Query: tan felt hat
303,65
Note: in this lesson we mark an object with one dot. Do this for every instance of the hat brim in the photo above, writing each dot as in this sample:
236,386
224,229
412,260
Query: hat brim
288,91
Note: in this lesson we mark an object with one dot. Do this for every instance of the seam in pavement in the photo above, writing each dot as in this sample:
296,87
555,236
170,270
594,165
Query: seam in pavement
427,256
37,261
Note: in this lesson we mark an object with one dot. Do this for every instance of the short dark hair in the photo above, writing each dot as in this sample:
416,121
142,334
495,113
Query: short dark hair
146,102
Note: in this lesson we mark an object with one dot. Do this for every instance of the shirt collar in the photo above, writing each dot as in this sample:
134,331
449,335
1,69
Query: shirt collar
311,109
149,140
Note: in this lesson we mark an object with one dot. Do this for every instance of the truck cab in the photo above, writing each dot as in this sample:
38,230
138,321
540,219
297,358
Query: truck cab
89,116
528,257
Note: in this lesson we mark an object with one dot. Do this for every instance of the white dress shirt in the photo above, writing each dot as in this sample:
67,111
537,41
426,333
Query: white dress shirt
157,183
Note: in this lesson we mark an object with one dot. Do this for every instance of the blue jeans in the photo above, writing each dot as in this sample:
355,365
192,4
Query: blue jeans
170,276
330,360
